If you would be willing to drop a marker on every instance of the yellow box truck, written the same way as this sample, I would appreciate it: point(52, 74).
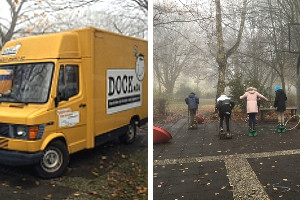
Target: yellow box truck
point(69, 91)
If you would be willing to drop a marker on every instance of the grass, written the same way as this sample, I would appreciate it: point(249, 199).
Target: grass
point(203, 103)
point(177, 109)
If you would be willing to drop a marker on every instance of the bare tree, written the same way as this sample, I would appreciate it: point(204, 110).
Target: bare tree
point(171, 55)
point(291, 12)
point(7, 27)
point(222, 54)
point(29, 17)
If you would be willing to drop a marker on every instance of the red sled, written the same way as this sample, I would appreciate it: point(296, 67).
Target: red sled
point(199, 119)
point(160, 135)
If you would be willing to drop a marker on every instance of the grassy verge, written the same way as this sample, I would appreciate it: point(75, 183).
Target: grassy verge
point(127, 178)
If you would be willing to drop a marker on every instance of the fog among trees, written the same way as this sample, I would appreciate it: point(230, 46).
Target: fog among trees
point(209, 46)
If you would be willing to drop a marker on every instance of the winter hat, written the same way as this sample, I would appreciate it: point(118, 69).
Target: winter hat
point(251, 88)
point(277, 88)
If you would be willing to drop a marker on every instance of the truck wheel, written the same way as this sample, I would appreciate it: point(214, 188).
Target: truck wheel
point(129, 136)
point(54, 161)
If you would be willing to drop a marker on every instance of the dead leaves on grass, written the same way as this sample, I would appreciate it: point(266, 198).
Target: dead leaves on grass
point(209, 114)
point(125, 177)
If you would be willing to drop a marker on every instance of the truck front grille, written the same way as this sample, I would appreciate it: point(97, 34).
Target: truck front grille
point(3, 143)
point(4, 130)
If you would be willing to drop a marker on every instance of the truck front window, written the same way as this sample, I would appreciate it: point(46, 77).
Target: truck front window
point(25, 83)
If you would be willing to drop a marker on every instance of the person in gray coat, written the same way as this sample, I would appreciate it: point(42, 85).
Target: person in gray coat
point(192, 101)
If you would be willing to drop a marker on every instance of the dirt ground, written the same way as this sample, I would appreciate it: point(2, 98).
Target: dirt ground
point(110, 171)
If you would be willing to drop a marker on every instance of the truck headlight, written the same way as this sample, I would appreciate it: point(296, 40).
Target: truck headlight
point(21, 131)
point(28, 132)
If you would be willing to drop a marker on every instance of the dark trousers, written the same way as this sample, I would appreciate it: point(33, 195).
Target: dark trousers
point(252, 120)
point(227, 117)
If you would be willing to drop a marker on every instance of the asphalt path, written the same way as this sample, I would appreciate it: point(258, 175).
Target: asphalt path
point(81, 181)
point(196, 164)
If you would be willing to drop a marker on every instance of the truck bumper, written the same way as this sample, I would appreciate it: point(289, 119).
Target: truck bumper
point(15, 158)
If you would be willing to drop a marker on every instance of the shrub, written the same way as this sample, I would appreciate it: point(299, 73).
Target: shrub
point(160, 105)
point(238, 87)
point(183, 91)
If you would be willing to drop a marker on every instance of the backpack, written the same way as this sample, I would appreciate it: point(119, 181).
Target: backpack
point(224, 106)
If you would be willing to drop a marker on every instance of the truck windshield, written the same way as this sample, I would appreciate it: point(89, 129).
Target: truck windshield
point(25, 83)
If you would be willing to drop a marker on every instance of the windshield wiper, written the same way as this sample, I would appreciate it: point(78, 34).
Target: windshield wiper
point(11, 99)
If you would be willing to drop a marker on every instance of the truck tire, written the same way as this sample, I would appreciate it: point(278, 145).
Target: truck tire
point(129, 136)
point(54, 161)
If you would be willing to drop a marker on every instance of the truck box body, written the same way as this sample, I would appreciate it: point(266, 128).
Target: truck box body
point(75, 89)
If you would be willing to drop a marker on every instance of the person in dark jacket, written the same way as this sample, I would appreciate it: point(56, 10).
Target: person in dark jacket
point(224, 106)
point(280, 104)
point(192, 101)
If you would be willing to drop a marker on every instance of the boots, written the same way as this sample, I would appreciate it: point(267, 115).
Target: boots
point(228, 135)
point(281, 128)
point(222, 133)
point(252, 132)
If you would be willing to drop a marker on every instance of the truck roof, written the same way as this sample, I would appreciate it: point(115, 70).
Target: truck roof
point(65, 44)
point(56, 45)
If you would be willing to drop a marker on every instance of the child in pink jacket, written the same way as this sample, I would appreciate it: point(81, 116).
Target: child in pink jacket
point(252, 109)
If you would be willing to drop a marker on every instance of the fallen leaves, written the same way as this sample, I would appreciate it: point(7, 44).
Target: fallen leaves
point(19, 187)
point(94, 193)
point(5, 185)
point(95, 173)
point(76, 194)
point(142, 190)
point(48, 197)
point(103, 157)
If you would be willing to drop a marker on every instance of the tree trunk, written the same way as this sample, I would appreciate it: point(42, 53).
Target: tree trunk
point(222, 55)
point(221, 78)
point(298, 86)
point(282, 82)
point(169, 91)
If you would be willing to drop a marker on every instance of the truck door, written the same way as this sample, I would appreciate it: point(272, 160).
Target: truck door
point(71, 106)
